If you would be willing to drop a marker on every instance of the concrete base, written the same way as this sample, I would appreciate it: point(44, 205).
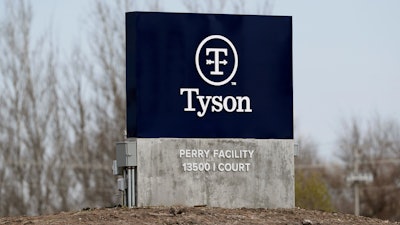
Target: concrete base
point(234, 173)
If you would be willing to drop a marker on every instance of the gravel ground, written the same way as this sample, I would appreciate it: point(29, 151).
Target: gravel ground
point(193, 215)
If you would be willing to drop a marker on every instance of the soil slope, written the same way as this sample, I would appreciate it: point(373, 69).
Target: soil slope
point(193, 215)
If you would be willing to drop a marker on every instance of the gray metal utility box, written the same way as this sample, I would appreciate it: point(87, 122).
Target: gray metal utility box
point(126, 154)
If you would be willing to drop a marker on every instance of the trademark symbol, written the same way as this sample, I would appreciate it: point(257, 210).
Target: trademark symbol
point(233, 83)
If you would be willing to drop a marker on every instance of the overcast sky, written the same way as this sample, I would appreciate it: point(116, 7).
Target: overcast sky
point(346, 56)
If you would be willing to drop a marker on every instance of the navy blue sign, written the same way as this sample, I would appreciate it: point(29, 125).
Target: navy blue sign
point(209, 76)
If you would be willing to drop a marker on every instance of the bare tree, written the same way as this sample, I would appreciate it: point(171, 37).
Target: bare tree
point(311, 187)
point(97, 103)
point(29, 107)
point(376, 146)
point(382, 159)
point(109, 57)
point(237, 6)
point(308, 152)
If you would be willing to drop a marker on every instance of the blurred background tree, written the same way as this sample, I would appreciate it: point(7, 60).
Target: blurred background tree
point(311, 190)
point(377, 142)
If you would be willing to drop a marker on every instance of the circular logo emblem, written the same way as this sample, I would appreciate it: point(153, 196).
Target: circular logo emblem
point(216, 60)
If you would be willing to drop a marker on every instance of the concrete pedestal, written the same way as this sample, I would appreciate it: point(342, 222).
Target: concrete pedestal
point(229, 173)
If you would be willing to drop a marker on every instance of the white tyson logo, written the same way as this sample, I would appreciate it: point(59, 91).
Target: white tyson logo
point(218, 60)
point(223, 65)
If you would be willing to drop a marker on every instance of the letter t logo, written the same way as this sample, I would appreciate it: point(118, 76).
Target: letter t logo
point(216, 61)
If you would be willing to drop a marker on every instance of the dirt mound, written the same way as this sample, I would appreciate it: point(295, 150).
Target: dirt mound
point(193, 215)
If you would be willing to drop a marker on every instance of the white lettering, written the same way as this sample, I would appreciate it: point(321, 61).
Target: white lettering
point(189, 97)
point(203, 105)
point(233, 167)
point(251, 153)
point(209, 157)
point(217, 104)
point(181, 153)
point(226, 104)
point(201, 167)
point(207, 152)
point(240, 104)
point(194, 153)
point(246, 100)
point(233, 154)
